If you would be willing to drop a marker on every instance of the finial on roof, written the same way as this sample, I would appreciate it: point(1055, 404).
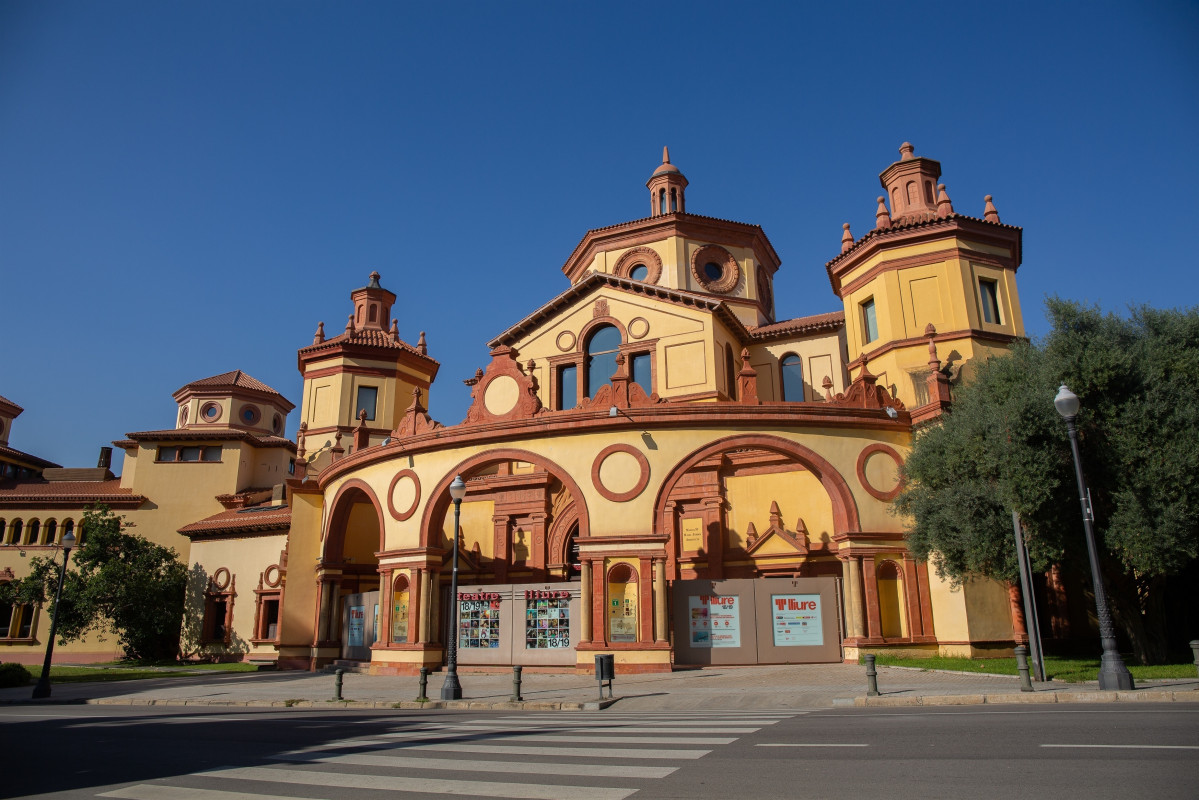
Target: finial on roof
point(665, 154)
point(846, 239)
point(374, 284)
point(319, 336)
point(350, 324)
point(990, 213)
point(930, 332)
point(944, 207)
point(421, 345)
point(394, 330)
point(362, 417)
point(906, 151)
point(881, 218)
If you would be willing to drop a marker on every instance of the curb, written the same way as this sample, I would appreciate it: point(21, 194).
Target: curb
point(1026, 698)
point(326, 705)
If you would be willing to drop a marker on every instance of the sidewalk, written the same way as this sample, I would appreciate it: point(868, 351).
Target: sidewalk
point(805, 686)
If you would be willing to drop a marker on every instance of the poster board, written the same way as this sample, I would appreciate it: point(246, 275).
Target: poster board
point(622, 612)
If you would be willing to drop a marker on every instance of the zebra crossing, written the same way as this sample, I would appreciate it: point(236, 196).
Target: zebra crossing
point(610, 756)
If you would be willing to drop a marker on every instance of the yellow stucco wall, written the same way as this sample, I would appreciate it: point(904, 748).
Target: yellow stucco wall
point(246, 559)
point(799, 495)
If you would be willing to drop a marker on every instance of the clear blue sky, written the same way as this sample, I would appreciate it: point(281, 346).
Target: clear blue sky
point(188, 188)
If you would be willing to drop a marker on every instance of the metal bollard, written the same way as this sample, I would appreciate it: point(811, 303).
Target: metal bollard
point(1022, 668)
point(337, 676)
point(1195, 650)
point(424, 685)
point(871, 677)
point(516, 698)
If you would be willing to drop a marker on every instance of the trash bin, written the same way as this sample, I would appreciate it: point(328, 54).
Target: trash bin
point(605, 672)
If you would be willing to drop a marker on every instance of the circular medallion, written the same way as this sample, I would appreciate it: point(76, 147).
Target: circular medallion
point(221, 578)
point(714, 268)
point(403, 495)
point(565, 341)
point(878, 471)
point(250, 415)
point(620, 472)
point(210, 411)
point(638, 328)
point(501, 395)
point(271, 576)
point(641, 264)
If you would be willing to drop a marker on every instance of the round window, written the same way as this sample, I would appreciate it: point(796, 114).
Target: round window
point(210, 412)
point(713, 271)
point(183, 415)
point(639, 272)
point(277, 424)
point(250, 414)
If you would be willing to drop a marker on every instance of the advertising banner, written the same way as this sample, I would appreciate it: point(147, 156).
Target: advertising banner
point(796, 620)
point(355, 636)
point(714, 621)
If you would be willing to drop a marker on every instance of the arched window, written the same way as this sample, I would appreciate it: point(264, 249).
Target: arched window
point(791, 368)
point(891, 606)
point(49, 532)
point(622, 604)
point(602, 348)
point(662, 201)
point(674, 199)
point(573, 562)
point(730, 371)
point(69, 527)
point(401, 597)
point(14, 533)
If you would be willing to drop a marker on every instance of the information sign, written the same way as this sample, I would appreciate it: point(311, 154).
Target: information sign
point(795, 620)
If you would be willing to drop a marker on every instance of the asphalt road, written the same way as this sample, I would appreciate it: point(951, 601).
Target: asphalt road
point(1146, 750)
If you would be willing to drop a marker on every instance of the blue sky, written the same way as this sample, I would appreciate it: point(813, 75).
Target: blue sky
point(188, 188)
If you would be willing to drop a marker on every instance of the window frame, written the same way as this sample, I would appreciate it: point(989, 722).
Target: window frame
point(783, 377)
point(869, 315)
point(988, 305)
point(372, 412)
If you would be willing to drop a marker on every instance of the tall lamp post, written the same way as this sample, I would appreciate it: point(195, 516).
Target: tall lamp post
point(1113, 674)
point(42, 689)
point(451, 690)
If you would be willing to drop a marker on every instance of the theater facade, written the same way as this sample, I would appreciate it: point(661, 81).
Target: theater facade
point(658, 463)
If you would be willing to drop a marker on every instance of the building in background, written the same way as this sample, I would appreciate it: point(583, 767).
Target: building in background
point(657, 464)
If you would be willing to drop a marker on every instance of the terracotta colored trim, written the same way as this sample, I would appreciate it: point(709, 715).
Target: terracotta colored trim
point(927, 259)
point(369, 372)
point(951, 336)
point(716, 254)
point(639, 255)
point(339, 515)
point(400, 516)
point(440, 502)
point(642, 480)
point(863, 456)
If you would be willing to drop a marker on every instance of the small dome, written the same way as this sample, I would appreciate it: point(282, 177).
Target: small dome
point(665, 168)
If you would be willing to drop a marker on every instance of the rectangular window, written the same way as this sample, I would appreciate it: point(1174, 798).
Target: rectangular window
point(640, 370)
point(988, 292)
point(368, 396)
point(568, 387)
point(268, 618)
point(6, 610)
point(16, 621)
point(167, 453)
point(869, 321)
point(189, 453)
point(217, 608)
point(25, 627)
point(211, 453)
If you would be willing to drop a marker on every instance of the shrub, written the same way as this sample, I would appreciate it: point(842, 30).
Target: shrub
point(14, 675)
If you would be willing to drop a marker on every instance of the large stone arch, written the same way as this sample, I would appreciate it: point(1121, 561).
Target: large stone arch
point(437, 507)
point(845, 508)
point(347, 495)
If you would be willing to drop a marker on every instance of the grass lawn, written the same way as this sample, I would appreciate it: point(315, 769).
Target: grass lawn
point(1070, 670)
point(128, 672)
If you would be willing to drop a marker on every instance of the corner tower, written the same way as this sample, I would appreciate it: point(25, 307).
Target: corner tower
point(364, 375)
point(928, 290)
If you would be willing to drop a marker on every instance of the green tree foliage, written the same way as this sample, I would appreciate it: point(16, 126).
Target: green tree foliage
point(116, 583)
point(1004, 447)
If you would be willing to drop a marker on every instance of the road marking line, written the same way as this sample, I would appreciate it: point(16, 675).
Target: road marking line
point(457, 765)
point(797, 744)
point(147, 792)
point(578, 752)
point(480, 736)
point(534, 791)
point(582, 728)
point(1131, 746)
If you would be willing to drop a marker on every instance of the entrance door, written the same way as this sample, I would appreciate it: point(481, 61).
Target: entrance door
point(359, 625)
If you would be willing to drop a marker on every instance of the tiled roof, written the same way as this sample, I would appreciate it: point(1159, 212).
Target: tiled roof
point(26, 457)
point(5, 401)
point(204, 435)
point(241, 521)
point(235, 379)
point(817, 322)
point(370, 337)
point(910, 223)
point(25, 492)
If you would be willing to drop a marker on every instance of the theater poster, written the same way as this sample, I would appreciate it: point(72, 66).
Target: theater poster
point(714, 621)
point(355, 635)
point(795, 620)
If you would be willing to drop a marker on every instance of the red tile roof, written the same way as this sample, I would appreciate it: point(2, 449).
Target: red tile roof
point(232, 380)
point(241, 521)
point(18, 455)
point(13, 493)
point(5, 401)
point(204, 435)
point(831, 321)
point(370, 337)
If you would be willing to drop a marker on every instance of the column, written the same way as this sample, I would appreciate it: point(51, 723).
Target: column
point(911, 592)
point(857, 625)
point(584, 600)
point(647, 610)
point(926, 602)
point(599, 633)
point(416, 604)
point(660, 634)
point(501, 546)
point(324, 590)
point(386, 602)
point(874, 623)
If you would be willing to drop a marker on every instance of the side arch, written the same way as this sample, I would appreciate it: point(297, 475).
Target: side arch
point(439, 502)
point(339, 516)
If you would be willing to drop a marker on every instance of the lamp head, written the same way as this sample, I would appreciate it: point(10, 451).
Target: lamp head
point(68, 540)
point(1066, 402)
point(613, 411)
point(892, 413)
point(458, 489)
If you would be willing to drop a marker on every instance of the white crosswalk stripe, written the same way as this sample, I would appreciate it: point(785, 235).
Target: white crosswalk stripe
point(584, 757)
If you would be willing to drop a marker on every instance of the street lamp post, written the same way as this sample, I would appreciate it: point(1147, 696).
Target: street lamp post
point(42, 689)
point(1113, 674)
point(451, 690)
